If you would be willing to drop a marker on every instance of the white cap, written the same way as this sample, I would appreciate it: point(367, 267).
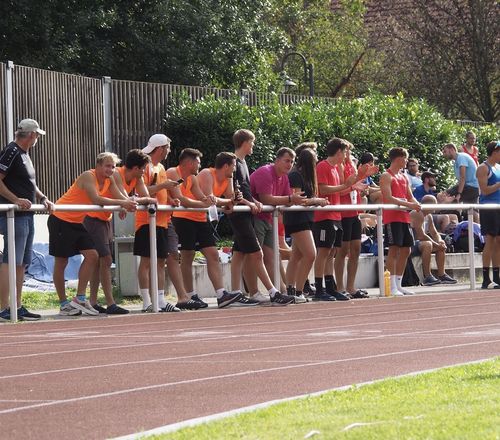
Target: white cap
point(29, 125)
point(155, 141)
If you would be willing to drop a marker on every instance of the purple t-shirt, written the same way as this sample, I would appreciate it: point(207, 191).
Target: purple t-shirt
point(265, 181)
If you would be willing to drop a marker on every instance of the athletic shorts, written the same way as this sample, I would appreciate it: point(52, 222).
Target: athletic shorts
point(245, 239)
point(398, 234)
point(328, 233)
point(172, 240)
point(193, 235)
point(141, 242)
point(67, 239)
point(100, 231)
point(24, 231)
point(415, 249)
point(351, 229)
point(292, 229)
point(470, 194)
point(490, 222)
point(264, 232)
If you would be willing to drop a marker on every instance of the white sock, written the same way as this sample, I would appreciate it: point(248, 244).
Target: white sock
point(161, 299)
point(146, 300)
point(272, 291)
point(394, 286)
point(220, 292)
point(404, 291)
point(190, 294)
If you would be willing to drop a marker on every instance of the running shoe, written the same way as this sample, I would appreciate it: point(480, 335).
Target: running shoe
point(115, 309)
point(99, 308)
point(281, 300)
point(244, 301)
point(323, 296)
point(446, 279)
point(203, 304)
point(405, 291)
point(299, 298)
point(169, 308)
point(261, 298)
point(5, 315)
point(84, 306)
point(68, 310)
point(23, 314)
point(227, 298)
point(339, 296)
point(189, 305)
point(430, 280)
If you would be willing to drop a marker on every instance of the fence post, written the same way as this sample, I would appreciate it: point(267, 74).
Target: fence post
point(11, 232)
point(276, 250)
point(380, 249)
point(470, 233)
point(153, 260)
point(9, 102)
point(106, 97)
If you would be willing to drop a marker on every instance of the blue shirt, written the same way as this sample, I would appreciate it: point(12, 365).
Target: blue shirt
point(419, 192)
point(464, 160)
point(493, 177)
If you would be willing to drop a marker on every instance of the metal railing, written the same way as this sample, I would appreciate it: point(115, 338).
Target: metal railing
point(10, 210)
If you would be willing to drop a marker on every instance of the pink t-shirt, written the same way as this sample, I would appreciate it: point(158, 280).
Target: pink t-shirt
point(328, 174)
point(265, 181)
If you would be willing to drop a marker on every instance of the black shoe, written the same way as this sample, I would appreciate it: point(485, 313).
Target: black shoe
point(203, 304)
point(114, 309)
point(339, 296)
point(24, 315)
point(189, 305)
point(323, 296)
point(282, 300)
point(244, 301)
point(169, 308)
point(227, 299)
point(309, 289)
point(99, 308)
point(5, 315)
point(485, 284)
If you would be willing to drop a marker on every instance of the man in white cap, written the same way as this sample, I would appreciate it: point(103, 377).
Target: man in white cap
point(18, 186)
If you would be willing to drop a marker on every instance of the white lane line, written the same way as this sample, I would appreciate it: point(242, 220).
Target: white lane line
point(235, 336)
point(232, 352)
point(263, 405)
point(239, 374)
point(240, 325)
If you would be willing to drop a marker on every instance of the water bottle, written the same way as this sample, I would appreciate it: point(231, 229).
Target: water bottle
point(387, 283)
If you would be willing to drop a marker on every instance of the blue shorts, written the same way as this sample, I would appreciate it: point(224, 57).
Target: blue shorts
point(25, 232)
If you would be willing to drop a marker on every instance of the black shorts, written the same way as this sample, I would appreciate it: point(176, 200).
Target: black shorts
point(490, 222)
point(67, 239)
point(470, 194)
point(245, 239)
point(351, 227)
point(193, 235)
point(141, 242)
point(100, 231)
point(292, 229)
point(398, 234)
point(327, 233)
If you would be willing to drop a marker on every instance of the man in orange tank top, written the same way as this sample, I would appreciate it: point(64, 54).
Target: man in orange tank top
point(193, 228)
point(68, 236)
point(397, 232)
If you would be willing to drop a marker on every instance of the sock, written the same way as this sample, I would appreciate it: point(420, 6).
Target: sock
point(190, 294)
point(496, 277)
point(486, 276)
point(63, 303)
point(394, 284)
point(272, 291)
point(399, 279)
point(161, 299)
point(318, 283)
point(330, 285)
point(146, 300)
point(220, 292)
point(81, 298)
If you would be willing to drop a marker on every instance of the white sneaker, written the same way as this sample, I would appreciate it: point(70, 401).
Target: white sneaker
point(261, 298)
point(405, 291)
point(397, 293)
point(68, 310)
point(84, 307)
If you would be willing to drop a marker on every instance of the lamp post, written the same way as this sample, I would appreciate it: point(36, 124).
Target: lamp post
point(308, 70)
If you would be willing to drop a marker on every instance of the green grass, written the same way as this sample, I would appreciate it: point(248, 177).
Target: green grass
point(452, 403)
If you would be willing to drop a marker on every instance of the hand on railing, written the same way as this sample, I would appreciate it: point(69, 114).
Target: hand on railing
point(50, 206)
point(298, 198)
point(23, 203)
point(129, 204)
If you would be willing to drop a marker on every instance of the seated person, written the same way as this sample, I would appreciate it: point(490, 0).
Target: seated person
point(427, 242)
point(428, 186)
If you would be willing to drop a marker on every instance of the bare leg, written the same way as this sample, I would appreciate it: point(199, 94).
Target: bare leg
point(426, 251)
point(174, 273)
point(440, 259)
point(303, 245)
point(236, 268)
point(90, 260)
point(187, 269)
point(4, 280)
point(293, 264)
point(352, 264)
point(143, 273)
point(339, 264)
point(213, 267)
point(404, 253)
point(60, 264)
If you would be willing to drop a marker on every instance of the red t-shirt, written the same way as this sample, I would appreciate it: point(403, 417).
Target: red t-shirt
point(399, 190)
point(328, 174)
point(351, 198)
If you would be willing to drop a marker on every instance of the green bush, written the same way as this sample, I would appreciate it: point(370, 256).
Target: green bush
point(375, 123)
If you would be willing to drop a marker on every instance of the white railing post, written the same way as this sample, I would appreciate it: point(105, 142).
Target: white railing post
point(380, 249)
point(470, 233)
point(276, 250)
point(153, 260)
point(106, 98)
point(11, 245)
point(9, 102)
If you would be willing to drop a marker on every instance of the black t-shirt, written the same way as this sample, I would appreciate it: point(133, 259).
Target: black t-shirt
point(297, 217)
point(19, 175)
point(242, 176)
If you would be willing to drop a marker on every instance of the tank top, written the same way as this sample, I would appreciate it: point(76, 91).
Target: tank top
point(186, 190)
point(155, 175)
point(493, 177)
point(77, 196)
point(399, 190)
point(474, 153)
point(353, 197)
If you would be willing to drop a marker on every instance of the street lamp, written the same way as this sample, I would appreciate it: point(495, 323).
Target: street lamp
point(308, 70)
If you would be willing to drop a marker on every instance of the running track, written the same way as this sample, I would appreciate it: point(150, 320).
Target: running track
point(106, 377)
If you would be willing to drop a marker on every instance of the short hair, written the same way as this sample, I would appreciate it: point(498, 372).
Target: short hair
point(427, 175)
point(413, 159)
point(241, 136)
point(450, 146)
point(311, 145)
point(429, 198)
point(103, 157)
point(285, 150)
point(491, 147)
point(396, 152)
point(189, 153)
point(136, 158)
point(224, 158)
point(334, 145)
point(470, 133)
point(367, 157)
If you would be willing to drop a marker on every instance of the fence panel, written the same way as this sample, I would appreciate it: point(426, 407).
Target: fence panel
point(70, 109)
point(3, 110)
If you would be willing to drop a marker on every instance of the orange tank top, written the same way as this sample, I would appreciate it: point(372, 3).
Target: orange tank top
point(218, 188)
point(77, 196)
point(129, 187)
point(186, 190)
point(154, 175)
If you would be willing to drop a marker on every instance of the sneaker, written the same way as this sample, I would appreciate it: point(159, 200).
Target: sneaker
point(5, 315)
point(309, 289)
point(189, 305)
point(203, 304)
point(99, 308)
point(68, 310)
point(281, 300)
point(397, 293)
point(23, 314)
point(323, 296)
point(299, 298)
point(430, 280)
point(84, 306)
point(261, 298)
point(405, 291)
point(244, 301)
point(148, 309)
point(339, 296)
point(446, 279)
point(169, 308)
point(227, 299)
point(115, 309)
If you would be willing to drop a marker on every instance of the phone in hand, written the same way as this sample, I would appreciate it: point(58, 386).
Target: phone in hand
point(180, 181)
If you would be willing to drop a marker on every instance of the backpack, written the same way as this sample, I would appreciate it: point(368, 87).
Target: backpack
point(410, 277)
